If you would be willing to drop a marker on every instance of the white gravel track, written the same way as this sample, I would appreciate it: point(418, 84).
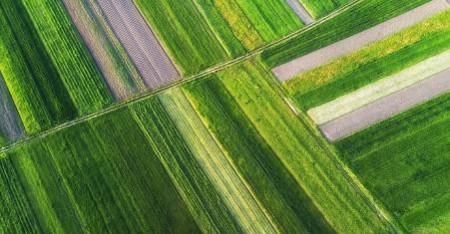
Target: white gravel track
point(322, 56)
point(388, 106)
point(10, 123)
point(301, 11)
point(140, 42)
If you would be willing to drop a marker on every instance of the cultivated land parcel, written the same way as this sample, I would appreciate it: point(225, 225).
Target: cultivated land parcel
point(227, 147)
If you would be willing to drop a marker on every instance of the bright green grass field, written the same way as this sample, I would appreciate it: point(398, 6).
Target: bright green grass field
point(319, 8)
point(360, 16)
point(405, 162)
point(30, 75)
point(372, 63)
point(98, 176)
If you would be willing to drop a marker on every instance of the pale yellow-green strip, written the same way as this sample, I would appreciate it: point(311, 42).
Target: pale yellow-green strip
point(239, 23)
point(380, 89)
point(221, 172)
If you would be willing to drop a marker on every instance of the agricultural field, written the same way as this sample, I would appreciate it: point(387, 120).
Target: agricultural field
point(224, 116)
point(404, 161)
point(202, 33)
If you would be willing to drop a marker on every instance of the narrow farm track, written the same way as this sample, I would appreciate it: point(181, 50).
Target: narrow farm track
point(140, 42)
point(300, 11)
point(388, 106)
point(319, 57)
point(10, 124)
point(116, 66)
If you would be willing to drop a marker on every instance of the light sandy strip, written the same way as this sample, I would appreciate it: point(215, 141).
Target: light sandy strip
point(300, 11)
point(322, 56)
point(236, 194)
point(386, 107)
point(10, 123)
point(140, 42)
point(382, 88)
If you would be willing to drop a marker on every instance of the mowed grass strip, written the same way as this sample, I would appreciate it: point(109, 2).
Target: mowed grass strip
point(201, 196)
point(38, 93)
point(184, 32)
point(306, 157)
point(372, 63)
point(122, 77)
point(97, 176)
point(322, 7)
point(360, 16)
point(72, 60)
point(404, 162)
point(273, 185)
point(222, 173)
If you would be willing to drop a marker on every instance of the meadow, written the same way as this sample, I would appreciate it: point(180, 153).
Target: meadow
point(404, 162)
point(372, 63)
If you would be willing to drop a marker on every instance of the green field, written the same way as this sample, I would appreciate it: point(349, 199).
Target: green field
point(322, 7)
point(48, 86)
point(202, 33)
point(302, 154)
point(404, 161)
point(360, 16)
point(371, 63)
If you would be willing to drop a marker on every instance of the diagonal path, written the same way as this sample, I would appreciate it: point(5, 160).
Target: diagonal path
point(300, 11)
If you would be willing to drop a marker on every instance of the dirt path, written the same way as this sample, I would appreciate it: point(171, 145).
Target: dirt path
point(322, 56)
point(140, 42)
point(301, 11)
point(388, 106)
point(10, 123)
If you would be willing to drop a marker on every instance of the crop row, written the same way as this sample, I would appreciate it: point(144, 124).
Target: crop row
point(404, 161)
point(321, 8)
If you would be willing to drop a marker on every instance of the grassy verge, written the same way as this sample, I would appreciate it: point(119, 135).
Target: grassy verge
point(72, 60)
point(322, 7)
point(404, 162)
point(283, 198)
point(357, 18)
point(312, 166)
point(372, 63)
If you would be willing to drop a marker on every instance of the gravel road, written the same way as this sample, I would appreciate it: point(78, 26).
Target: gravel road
point(301, 11)
point(10, 123)
point(388, 106)
point(322, 56)
point(140, 42)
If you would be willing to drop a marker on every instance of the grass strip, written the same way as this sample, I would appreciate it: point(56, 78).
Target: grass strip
point(321, 8)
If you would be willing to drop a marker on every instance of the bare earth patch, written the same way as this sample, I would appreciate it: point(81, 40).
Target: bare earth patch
point(10, 123)
point(300, 11)
point(140, 42)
